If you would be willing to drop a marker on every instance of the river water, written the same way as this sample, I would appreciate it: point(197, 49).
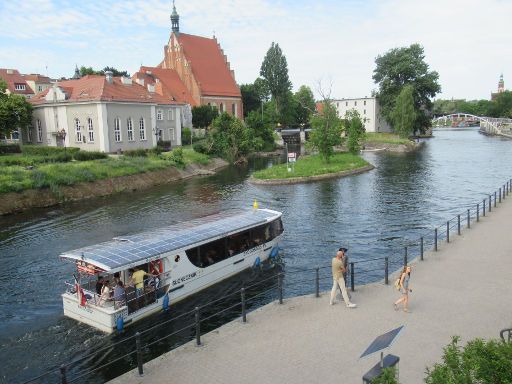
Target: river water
point(373, 214)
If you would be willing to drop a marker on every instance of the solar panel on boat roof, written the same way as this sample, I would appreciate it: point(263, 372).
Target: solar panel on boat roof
point(129, 249)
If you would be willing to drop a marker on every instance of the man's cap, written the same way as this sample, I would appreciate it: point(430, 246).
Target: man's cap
point(343, 249)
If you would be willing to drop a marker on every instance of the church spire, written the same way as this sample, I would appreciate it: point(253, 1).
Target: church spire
point(175, 19)
point(501, 84)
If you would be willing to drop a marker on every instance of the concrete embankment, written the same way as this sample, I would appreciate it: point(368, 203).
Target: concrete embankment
point(36, 198)
point(463, 289)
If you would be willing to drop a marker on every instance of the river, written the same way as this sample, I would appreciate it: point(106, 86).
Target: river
point(372, 214)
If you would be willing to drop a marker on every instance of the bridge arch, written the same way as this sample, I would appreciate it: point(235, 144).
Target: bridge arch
point(489, 125)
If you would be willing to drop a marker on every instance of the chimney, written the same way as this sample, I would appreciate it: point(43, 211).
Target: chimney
point(151, 88)
point(126, 80)
point(108, 76)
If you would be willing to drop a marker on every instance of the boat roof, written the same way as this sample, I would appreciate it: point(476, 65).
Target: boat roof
point(123, 252)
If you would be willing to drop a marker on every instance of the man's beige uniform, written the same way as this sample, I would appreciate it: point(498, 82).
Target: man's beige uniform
point(337, 277)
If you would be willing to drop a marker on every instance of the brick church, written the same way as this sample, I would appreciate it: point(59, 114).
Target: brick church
point(194, 71)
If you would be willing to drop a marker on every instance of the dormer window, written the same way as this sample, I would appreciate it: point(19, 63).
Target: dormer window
point(19, 87)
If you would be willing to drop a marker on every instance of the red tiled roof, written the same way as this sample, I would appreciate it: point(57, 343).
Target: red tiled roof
point(13, 78)
point(97, 88)
point(38, 78)
point(171, 84)
point(208, 66)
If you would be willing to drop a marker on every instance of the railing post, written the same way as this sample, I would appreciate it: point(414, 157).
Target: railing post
point(435, 239)
point(405, 256)
point(495, 193)
point(280, 287)
point(244, 315)
point(198, 327)
point(448, 231)
point(490, 202)
point(483, 208)
point(421, 248)
point(386, 270)
point(317, 282)
point(478, 212)
point(63, 379)
point(139, 354)
point(458, 224)
point(352, 276)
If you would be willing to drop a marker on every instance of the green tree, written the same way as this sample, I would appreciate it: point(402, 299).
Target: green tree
point(502, 105)
point(229, 138)
point(355, 131)
point(260, 131)
point(479, 361)
point(84, 71)
point(406, 66)
point(274, 70)
point(388, 376)
point(15, 111)
point(326, 130)
point(90, 71)
point(203, 115)
point(250, 98)
point(403, 116)
point(305, 104)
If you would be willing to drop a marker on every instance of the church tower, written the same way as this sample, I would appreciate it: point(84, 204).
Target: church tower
point(501, 85)
point(175, 19)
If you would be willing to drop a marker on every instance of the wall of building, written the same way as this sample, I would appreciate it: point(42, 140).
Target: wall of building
point(227, 102)
point(170, 125)
point(83, 112)
point(368, 109)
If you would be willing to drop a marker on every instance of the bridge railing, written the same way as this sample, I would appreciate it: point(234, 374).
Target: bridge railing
point(285, 282)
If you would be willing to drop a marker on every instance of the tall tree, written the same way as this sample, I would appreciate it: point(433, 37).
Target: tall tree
point(230, 138)
point(305, 104)
point(274, 70)
point(355, 131)
point(406, 66)
point(250, 98)
point(203, 115)
point(326, 131)
point(15, 111)
point(90, 71)
point(403, 116)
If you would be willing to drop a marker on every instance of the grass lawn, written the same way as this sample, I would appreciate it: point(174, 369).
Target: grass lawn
point(313, 166)
point(52, 175)
point(388, 138)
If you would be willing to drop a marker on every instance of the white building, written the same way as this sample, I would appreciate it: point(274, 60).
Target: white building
point(369, 110)
point(103, 113)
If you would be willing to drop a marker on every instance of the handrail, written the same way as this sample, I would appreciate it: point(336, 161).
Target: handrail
point(507, 188)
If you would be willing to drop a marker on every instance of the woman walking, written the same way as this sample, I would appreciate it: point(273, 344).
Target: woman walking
point(404, 289)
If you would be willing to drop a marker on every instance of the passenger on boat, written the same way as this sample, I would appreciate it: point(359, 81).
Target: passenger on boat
point(119, 295)
point(99, 285)
point(105, 293)
point(137, 280)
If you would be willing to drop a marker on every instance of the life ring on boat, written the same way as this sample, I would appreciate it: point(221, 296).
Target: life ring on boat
point(156, 267)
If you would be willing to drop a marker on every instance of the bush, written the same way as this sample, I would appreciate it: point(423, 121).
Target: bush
point(186, 136)
point(41, 150)
point(9, 148)
point(165, 145)
point(177, 157)
point(86, 156)
point(157, 151)
point(25, 161)
point(201, 147)
point(136, 153)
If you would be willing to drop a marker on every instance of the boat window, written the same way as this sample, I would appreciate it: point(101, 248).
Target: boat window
point(260, 235)
point(238, 243)
point(212, 253)
point(276, 228)
point(193, 256)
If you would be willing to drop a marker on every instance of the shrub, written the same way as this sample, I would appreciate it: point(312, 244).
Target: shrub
point(200, 147)
point(186, 135)
point(9, 148)
point(156, 151)
point(177, 157)
point(136, 153)
point(41, 150)
point(25, 161)
point(86, 155)
point(165, 145)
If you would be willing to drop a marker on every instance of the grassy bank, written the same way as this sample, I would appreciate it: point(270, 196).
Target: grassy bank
point(16, 178)
point(387, 138)
point(313, 166)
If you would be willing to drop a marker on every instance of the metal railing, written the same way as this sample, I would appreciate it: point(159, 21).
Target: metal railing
point(275, 285)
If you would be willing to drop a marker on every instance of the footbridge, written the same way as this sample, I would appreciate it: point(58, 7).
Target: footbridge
point(488, 125)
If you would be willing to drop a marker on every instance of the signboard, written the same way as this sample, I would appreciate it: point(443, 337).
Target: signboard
point(292, 157)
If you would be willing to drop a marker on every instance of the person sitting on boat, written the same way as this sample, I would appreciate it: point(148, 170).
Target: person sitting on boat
point(119, 294)
point(99, 285)
point(105, 293)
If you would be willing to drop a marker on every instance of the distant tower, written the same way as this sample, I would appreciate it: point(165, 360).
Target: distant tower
point(175, 19)
point(77, 73)
point(501, 84)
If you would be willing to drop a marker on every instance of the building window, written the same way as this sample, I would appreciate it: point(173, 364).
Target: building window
point(364, 102)
point(159, 115)
point(19, 87)
point(337, 105)
point(91, 130)
point(221, 108)
point(29, 134)
point(117, 129)
point(171, 114)
point(39, 88)
point(39, 131)
point(78, 131)
point(233, 109)
point(355, 103)
point(171, 134)
point(129, 127)
point(142, 129)
point(346, 103)
point(365, 111)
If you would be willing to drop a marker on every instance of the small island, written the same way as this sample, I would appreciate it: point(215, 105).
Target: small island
point(312, 168)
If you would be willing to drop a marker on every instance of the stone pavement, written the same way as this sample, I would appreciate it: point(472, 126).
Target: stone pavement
point(463, 289)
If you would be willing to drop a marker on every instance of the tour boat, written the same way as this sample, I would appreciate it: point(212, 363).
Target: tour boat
point(176, 262)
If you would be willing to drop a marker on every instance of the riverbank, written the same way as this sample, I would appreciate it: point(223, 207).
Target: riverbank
point(377, 141)
point(13, 202)
point(459, 290)
point(312, 168)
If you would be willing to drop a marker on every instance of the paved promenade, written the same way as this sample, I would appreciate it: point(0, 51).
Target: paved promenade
point(463, 289)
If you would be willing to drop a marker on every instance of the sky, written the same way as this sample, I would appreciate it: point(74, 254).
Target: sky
point(329, 45)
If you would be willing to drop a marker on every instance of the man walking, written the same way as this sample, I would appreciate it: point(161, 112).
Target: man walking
point(338, 281)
